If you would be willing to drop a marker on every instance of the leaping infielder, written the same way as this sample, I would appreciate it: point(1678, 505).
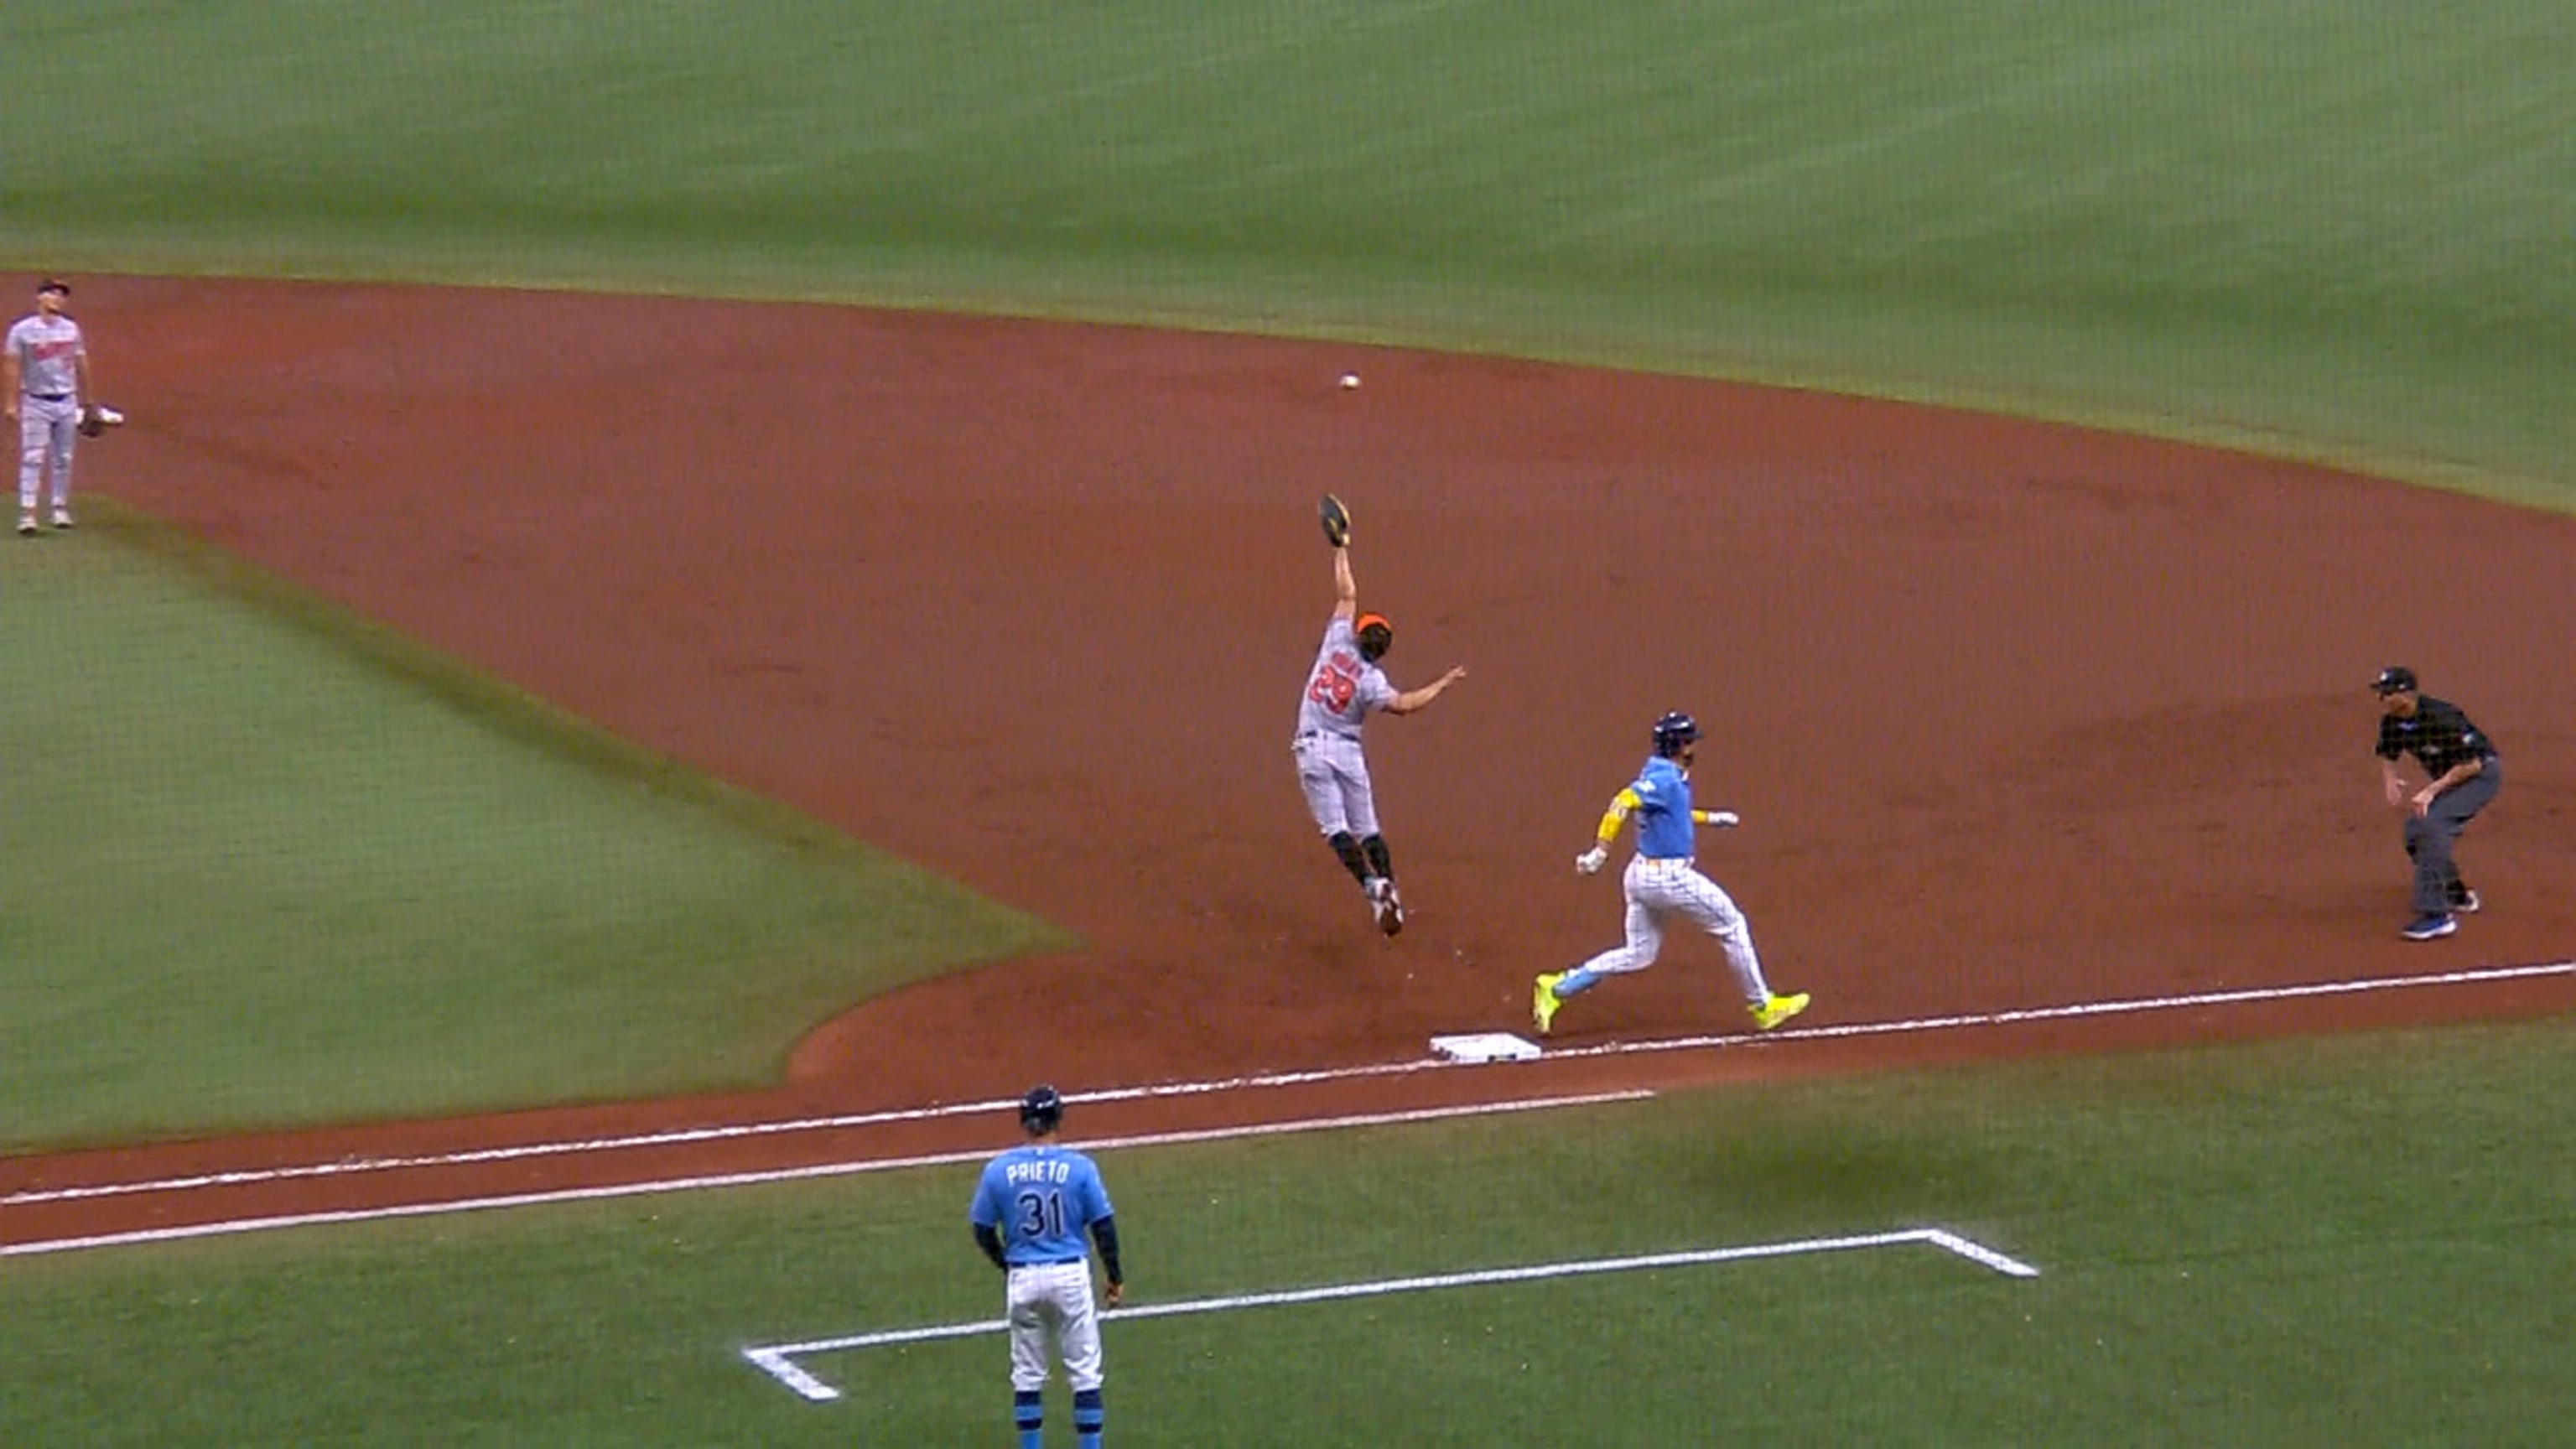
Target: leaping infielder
point(1661, 881)
point(1343, 687)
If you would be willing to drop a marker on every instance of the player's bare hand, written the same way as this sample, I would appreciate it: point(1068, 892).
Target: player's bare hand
point(1456, 672)
point(2396, 791)
point(1114, 1294)
point(2423, 801)
point(1591, 861)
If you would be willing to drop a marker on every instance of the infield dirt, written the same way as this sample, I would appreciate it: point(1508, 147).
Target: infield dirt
point(2014, 714)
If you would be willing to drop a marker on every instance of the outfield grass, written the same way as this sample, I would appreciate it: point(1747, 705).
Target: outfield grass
point(2361, 1240)
point(270, 865)
point(2326, 229)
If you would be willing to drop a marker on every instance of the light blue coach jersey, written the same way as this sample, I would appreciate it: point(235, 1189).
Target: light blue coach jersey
point(1663, 811)
point(1043, 1199)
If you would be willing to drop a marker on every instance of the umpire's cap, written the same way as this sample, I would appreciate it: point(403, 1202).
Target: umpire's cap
point(2395, 679)
point(1042, 1109)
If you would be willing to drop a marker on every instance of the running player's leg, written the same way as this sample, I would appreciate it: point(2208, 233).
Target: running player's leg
point(1080, 1338)
point(1645, 941)
point(1027, 1307)
point(1710, 908)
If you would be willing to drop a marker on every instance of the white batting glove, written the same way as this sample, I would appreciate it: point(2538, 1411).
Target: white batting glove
point(1724, 819)
point(1590, 861)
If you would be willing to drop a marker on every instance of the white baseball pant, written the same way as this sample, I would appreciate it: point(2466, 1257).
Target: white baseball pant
point(1052, 1299)
point(1659, 888)
point(1334, 774)
point(46, 432)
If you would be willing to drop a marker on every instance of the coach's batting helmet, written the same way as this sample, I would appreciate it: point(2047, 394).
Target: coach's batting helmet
point(1042, 1109)
point(1376, 636)
point(1674, 733)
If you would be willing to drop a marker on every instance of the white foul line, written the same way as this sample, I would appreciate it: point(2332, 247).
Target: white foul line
point(777, 1359)
point(1168, 1090)
point(789, 1174)
point(2129, 1007)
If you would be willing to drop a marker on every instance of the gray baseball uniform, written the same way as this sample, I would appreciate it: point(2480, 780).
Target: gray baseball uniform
point(49, 352)
point(1331, 769)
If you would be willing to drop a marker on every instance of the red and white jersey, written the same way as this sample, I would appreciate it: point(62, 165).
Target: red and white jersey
point(48, 350)
point(1343, 687)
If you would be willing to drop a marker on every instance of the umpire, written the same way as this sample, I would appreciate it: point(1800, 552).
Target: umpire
point(2465, 774)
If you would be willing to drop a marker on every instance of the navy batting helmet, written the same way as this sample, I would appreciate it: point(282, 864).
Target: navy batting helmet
point(1042, 1109)
point(1675, 732)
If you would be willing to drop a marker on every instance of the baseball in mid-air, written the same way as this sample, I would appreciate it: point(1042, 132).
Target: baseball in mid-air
point(1350, 380)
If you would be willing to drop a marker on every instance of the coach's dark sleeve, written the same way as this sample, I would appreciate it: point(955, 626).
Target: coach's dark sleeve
point(989, 1238)
point(1105, 1233)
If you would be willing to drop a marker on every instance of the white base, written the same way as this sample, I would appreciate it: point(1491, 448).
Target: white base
point(1485, 1046)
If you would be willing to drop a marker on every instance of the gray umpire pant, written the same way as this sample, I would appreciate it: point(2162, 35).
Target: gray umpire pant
point(2429, 837)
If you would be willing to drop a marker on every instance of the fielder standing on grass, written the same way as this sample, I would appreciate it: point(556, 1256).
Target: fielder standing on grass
point(46, 380)
point(1662, 881)
point(1031, 1212)
point(2464, 775)
point(1344, 685)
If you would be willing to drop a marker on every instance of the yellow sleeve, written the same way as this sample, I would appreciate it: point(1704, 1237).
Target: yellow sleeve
point(1621, 805)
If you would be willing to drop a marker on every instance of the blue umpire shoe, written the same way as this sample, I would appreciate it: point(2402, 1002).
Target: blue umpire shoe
point(2428, 928)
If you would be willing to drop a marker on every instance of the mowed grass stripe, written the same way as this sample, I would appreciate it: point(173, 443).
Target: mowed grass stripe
point(2285, 227)
point(273, 865)
point(2233, 1239)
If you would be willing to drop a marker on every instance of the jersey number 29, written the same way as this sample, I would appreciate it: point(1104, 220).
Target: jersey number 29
point(1333, 687)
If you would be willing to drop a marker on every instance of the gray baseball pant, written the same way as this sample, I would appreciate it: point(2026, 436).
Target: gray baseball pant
point(2429, 836)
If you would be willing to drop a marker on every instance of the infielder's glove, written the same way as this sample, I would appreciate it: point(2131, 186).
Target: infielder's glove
point(1337, 522)
point(98, 418)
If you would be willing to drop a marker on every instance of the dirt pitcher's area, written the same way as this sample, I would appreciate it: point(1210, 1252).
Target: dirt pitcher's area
point(2015, 715)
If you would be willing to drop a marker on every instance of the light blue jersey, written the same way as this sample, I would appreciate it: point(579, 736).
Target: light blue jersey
point(1663, 811)
point(1043, 1200)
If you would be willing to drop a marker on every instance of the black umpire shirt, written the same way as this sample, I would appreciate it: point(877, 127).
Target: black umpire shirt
point(2438, 735)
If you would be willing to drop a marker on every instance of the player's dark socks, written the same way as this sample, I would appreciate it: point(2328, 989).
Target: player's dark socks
point(1028, 1414)
point(1379, 862)
point(1349, 850)
point(1088, 1417)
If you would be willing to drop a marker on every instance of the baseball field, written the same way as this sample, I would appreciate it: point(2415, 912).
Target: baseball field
point(695, 596)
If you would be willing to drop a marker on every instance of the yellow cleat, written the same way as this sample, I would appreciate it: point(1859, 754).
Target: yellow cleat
point(1771, 1013)
point(1544, 1001)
